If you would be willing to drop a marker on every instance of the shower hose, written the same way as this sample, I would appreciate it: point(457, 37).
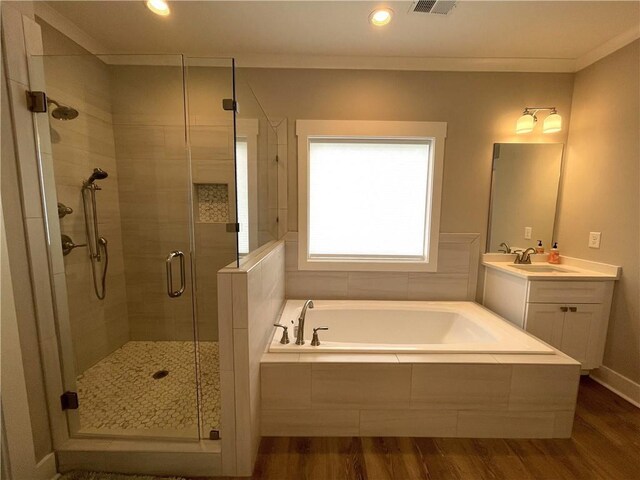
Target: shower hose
point(100, 243)
point(101, 293)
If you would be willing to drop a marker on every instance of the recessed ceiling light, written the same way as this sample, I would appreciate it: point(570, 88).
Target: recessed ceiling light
point(380, 16)
point(159, 7)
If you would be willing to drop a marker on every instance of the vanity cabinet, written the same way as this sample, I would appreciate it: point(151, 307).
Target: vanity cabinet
point(571, 328)
point(570, 315)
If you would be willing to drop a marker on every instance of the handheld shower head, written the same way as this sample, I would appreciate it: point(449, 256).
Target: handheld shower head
point(98, 174)
point(62, 112)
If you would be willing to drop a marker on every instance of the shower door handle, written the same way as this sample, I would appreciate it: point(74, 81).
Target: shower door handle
point(170, 291)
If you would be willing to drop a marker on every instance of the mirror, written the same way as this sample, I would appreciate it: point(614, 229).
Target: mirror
point(524, 195)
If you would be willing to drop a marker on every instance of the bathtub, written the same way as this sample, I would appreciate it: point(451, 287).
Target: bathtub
point(357, 326)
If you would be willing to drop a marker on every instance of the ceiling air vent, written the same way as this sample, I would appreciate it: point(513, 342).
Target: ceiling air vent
point(436, 7)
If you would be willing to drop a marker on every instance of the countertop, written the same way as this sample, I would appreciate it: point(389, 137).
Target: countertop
point(571, 268)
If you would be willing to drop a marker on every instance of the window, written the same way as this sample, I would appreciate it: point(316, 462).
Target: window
point(242, 180)
point(246, 181)
point(369, 195)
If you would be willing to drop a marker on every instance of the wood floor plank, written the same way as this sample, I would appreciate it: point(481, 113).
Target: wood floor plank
point(500, 460)
point(604, 457)
point(551, 459)
point(605, 445)
point(346, 459)
point(272, 460)
point(392, 459)
point(436, 461)
point(463, 454)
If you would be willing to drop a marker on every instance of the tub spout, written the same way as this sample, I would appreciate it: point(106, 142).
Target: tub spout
point(303, 314)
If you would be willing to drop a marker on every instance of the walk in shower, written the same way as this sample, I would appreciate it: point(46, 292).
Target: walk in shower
point(160, 181)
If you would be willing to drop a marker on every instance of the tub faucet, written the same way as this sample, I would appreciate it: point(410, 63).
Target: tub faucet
point(524, 257)
point(303, 314)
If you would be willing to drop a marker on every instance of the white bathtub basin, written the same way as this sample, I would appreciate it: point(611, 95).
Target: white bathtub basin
point(364, 326)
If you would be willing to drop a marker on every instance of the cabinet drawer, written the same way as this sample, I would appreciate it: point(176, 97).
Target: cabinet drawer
point(567, 292)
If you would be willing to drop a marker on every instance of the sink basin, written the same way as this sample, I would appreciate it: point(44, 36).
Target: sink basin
point(542, 268)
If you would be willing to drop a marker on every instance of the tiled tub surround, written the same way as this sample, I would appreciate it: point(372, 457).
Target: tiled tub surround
point(119, 395)
point(456, 278)
point(428, 395)
point(250, 299)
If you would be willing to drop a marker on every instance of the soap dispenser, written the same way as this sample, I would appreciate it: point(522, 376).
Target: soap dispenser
point(554, 254)
point(539, 247)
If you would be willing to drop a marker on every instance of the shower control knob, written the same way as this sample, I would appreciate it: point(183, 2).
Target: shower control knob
point(68, 245)
point(63, 210)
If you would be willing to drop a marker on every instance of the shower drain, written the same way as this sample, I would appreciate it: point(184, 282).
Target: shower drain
point(160, 374)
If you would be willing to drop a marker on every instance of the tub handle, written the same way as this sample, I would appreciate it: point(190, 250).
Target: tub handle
point(285, 334)
point(315, 341)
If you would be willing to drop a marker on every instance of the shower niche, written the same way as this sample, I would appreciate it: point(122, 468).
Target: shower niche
point(163, 210)
point(212, 202)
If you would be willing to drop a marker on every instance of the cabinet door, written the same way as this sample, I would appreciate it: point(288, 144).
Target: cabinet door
point(545, 321)
point(579, 332)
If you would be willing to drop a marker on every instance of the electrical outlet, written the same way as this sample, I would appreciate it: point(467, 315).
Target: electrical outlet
point(594, 239)
point(527, 233)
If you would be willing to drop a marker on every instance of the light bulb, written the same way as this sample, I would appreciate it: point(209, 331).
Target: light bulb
point(380, 17)
point(552, 124)
point(159, 7)
point(525, 123)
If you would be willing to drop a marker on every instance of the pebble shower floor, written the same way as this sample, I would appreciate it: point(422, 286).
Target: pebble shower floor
point(120, 395)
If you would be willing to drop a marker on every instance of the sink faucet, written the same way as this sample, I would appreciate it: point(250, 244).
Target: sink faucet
point(524, 257)
point(303, 314)
point(507, 248)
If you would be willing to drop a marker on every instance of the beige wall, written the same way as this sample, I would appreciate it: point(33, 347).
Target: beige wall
point(98, 327)
point(600, 190)
point(480, 109)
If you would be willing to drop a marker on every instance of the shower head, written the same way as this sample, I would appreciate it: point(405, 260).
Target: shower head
point(62, 112)
point(98, 174)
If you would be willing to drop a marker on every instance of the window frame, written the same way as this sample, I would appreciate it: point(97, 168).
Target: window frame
point(434, 132)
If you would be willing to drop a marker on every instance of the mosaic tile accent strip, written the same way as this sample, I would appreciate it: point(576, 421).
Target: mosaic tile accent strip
point(120, 393)
point(213, 202)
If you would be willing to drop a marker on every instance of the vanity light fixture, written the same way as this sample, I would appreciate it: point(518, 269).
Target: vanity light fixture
point(381, 16)
point(526, 123)
point(159, 7)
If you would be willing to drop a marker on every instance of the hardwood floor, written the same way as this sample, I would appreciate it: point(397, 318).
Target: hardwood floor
point(605, 445)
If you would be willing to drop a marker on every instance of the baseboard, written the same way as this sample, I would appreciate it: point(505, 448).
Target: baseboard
point(46, 468)
point(618, 384)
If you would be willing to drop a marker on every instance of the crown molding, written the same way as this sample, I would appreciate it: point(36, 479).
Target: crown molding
point(355, 63)
point(68, 28)
point(607, 48)
point(455, 64)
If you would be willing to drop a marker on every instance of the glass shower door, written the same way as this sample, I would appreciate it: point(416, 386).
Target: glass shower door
point(130, 357)
point(148, 111)
point(209, 93)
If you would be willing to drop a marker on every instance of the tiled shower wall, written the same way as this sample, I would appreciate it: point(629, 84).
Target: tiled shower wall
point(98, 327)
point(150, 144)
